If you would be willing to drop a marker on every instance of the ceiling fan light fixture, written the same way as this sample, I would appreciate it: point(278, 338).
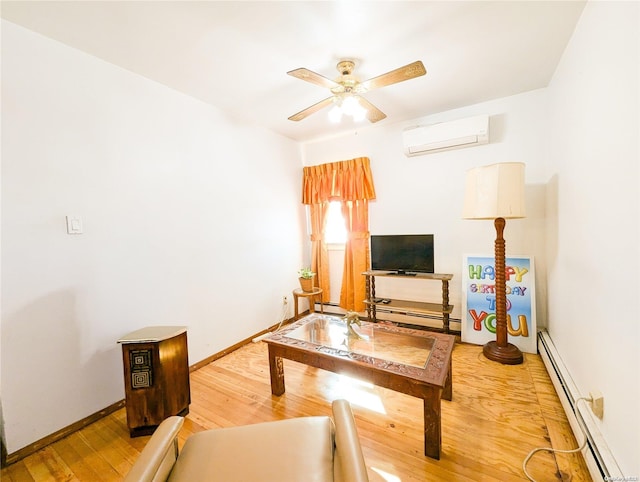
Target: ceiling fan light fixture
point(335, 114)
point(347, 90)
point(360, 114)
point(350, 105)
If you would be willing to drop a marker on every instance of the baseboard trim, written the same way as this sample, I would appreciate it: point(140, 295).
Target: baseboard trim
point(233, 348)
point(8, 459)
point(215, 356)
point(60, 434)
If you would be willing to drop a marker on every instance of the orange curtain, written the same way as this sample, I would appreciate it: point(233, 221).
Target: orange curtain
point(351, 183)
point(356, 254)
point(338, 181)
point(319, 253)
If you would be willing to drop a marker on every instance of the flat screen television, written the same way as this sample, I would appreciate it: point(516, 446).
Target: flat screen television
point(402, 253)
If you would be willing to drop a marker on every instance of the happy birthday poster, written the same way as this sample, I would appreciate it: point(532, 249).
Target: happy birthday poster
point(479, 301)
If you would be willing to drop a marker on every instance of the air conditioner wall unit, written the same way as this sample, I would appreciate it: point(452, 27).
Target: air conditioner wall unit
point(471, 131)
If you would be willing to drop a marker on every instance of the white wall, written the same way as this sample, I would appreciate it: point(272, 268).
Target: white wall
point(579, 140)
point(593, 217)
point(186, 222)
point(424, 194)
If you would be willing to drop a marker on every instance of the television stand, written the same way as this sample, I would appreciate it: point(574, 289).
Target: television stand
point(401, 273)
point(407, 306)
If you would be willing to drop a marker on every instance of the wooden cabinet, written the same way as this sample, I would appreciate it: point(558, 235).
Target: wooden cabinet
point(156, 376)
point(407, 306)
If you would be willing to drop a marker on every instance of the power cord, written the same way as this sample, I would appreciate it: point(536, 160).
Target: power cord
point(550, 449)
point(283, 317)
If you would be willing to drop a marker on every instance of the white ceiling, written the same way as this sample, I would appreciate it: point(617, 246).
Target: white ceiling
point(235, 54)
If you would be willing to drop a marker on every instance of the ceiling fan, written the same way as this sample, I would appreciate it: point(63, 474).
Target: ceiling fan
point(347, 89)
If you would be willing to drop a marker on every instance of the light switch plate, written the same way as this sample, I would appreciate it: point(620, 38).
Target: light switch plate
point(74, 225)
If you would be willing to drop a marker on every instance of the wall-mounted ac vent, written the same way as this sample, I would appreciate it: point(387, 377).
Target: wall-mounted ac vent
point(471, 131)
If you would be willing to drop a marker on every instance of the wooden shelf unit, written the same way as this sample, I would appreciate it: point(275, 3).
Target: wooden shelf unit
point(408, 306)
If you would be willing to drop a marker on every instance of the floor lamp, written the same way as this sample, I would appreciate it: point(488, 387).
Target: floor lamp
point(497, 192)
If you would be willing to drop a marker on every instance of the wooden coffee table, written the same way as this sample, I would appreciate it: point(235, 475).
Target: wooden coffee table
point(414, 362)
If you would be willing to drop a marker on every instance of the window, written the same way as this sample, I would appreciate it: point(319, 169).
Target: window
point(335, 231)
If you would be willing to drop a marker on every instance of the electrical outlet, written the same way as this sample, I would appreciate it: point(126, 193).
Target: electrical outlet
point(597, 403)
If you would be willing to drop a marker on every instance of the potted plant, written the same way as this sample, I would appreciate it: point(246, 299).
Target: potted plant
point(306, 279)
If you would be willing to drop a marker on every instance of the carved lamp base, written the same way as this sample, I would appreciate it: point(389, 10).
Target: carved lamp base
point(507, 355)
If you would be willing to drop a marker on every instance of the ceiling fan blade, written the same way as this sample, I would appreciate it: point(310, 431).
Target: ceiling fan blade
point(373, 113)
point(310, 76)
point(312, 109)
point(410, 71)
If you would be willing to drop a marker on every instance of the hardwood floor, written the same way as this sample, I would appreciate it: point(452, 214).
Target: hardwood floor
point(498, 414)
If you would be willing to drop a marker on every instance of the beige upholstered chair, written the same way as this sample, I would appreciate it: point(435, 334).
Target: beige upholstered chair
point(303, 449)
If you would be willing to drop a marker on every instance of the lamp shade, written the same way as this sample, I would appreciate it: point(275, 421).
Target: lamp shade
point(495, 191)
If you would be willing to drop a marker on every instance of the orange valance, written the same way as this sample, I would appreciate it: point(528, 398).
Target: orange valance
point(344, 181)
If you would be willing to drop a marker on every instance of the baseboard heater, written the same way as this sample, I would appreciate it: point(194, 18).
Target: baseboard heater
point(599, 459)
point(334, 307)
point(401, 317)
